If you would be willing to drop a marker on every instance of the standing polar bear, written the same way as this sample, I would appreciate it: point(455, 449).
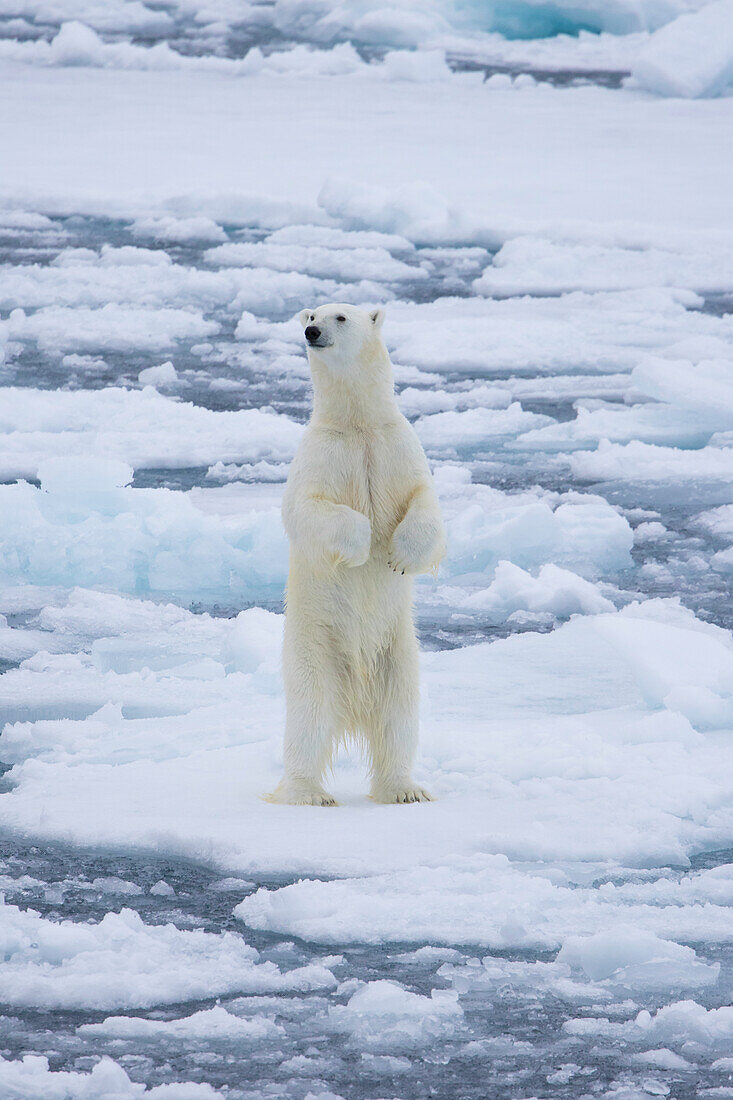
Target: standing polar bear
point(362, 517)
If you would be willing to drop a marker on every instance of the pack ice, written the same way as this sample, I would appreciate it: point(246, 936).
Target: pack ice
point(178, 184)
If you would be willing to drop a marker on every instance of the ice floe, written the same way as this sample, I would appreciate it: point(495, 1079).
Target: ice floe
point(124, 963)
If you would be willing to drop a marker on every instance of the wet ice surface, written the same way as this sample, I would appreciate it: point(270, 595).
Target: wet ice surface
point(508, 1033)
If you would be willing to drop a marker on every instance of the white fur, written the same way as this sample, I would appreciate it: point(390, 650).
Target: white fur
point(362, 517)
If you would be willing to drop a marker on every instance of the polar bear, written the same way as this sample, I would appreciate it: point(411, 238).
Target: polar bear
point(362, 517)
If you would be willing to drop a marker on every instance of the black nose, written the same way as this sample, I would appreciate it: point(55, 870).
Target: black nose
point(312, 333)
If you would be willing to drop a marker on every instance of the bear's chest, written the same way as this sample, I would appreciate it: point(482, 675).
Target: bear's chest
point(376, 478)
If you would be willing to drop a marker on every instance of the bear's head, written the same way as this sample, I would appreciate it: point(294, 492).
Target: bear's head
point(342, 336)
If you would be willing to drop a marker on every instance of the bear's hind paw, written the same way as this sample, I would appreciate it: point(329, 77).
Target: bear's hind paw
point(301, 794)
point(401, 792)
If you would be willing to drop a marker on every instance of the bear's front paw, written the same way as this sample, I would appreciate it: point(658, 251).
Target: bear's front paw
point(417, 545)
point(352, 540)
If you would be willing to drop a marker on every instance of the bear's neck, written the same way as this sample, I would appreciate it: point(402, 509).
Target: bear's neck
point(361, 397)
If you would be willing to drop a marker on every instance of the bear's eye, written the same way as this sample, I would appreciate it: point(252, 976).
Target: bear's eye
point(340, 317)
point(313, 317)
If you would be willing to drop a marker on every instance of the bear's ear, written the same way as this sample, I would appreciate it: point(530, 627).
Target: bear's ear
point(304, 317)
point(377, 316)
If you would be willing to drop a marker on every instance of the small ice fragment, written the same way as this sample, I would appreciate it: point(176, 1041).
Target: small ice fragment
point(231, 885)
point(163, 375)
point(162, 889)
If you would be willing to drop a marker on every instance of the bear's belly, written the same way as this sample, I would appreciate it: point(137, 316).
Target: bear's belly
point(353, 610)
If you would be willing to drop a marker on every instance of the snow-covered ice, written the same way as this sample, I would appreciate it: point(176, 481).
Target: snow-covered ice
point(539, 194)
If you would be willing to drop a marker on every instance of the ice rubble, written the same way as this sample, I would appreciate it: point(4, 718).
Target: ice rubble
point(627, 959)
point(404, 23)
point(115, 16)
point(172, 230)
point(163, 375)
point(85, 525)
point(692, 56)
point(580, 533)
point(137, 540)
point(351, 264)
point(463, 431)
point(416, 211)
point(124, 963)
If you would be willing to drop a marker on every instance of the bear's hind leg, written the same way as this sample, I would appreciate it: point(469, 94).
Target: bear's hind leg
point(392, 725)
point(311, 731)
